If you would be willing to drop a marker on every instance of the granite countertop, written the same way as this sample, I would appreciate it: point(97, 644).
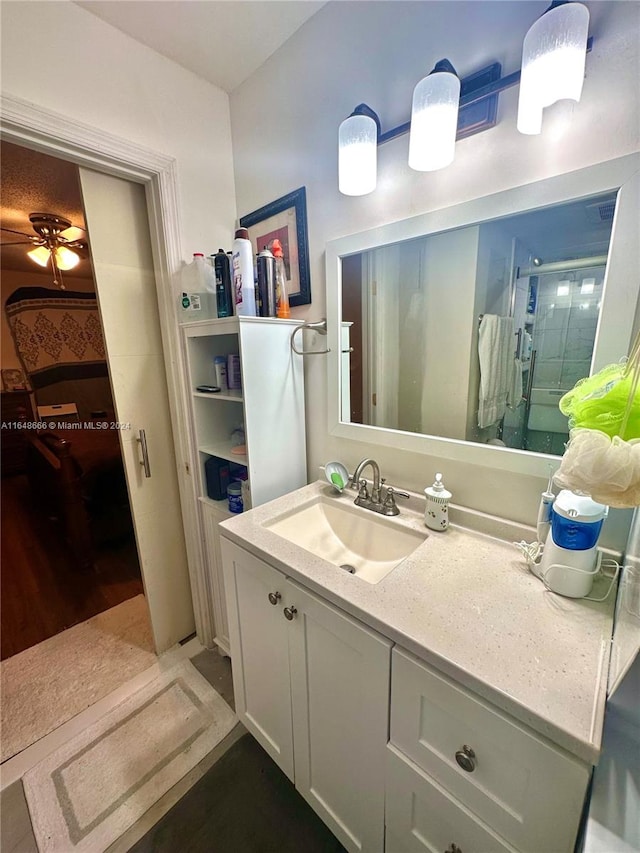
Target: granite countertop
point(466, 603)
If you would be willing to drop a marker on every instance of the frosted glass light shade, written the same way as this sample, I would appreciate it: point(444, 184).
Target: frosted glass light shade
point(66, 259)
point(434, 121)
point(39, 255)
point(553, 59)
point(357, 155)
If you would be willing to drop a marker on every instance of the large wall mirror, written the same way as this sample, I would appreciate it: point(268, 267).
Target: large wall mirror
point(457, 332)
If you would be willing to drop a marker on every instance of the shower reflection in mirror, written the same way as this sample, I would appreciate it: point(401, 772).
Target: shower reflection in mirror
point(413, 343)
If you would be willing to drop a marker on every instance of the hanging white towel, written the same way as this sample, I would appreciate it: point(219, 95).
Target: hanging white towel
point(514, 398)
point(495, 350)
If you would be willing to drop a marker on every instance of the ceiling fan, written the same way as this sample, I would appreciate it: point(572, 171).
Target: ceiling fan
point(55, 240)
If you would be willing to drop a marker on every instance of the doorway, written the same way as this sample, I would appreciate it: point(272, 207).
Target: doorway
point(167, 577)
point(68, 549)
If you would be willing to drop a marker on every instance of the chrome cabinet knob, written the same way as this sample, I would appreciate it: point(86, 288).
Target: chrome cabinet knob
point(466, 758)
point(274, 597)
point(289, 613)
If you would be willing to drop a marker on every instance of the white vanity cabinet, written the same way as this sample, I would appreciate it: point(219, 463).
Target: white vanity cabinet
point(312, 685)
point(482, 774)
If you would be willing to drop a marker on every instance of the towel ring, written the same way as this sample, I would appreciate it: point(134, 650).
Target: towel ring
point(319, 326)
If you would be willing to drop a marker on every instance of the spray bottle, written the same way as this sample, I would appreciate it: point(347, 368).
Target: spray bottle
point(282, 300)
point(242, 272)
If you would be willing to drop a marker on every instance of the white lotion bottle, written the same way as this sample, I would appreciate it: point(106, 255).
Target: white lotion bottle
point(436, 511)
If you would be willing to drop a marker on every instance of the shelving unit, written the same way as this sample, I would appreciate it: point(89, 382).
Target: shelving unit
point(270, 406)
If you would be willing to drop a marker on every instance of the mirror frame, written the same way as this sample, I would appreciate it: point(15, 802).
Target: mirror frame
point(617, 317)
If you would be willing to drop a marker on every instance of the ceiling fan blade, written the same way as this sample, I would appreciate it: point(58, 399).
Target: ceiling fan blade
point(72, 234)
point(18, 243)
point(11, 231)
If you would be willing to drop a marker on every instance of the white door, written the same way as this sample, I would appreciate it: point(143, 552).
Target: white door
point(259, 636)
point(340, 673)
point(117, 221)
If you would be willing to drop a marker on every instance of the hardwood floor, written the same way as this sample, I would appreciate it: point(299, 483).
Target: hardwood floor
point(41, 592)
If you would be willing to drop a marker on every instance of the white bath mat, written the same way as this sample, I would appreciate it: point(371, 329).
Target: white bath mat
point(86, 794)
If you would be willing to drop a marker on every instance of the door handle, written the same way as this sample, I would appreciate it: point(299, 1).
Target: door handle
point(142, 439)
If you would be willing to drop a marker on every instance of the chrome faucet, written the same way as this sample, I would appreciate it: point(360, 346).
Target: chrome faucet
point(374, 501)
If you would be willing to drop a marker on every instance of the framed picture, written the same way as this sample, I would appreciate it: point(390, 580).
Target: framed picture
point(286, 220)
point(13, 380)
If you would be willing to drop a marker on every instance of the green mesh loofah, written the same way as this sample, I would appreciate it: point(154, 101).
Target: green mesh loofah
point(600, 402)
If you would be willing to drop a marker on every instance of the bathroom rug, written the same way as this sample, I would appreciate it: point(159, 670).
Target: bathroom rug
point(88, 792)
point(48, 684)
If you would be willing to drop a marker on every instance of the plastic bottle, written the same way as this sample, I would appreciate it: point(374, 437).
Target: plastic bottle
point(282, 299)
point(242, 273)
point(220, 367)
point(197, 285)
point(222, 269)
point(436, 512)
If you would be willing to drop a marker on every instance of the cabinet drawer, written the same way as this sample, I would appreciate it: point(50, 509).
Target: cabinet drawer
point(524, 788)
point(421, 816)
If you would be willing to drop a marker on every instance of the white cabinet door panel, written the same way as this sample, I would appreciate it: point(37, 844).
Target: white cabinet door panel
point(259, 636)
point(340, 697)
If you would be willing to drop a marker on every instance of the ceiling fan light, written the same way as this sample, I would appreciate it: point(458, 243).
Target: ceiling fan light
point(65, 258)
point(40, 255)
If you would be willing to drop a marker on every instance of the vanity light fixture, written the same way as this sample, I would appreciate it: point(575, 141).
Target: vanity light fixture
point(358, 152)
point(553, 63)
point(434, 119)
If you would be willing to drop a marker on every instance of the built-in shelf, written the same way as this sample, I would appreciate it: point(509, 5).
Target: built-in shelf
point(222, 450)
point(235, 396)
point(270, 406)
point(220, 506)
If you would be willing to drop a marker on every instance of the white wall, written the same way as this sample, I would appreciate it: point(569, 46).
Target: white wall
point(285, 122)
point(65, 59)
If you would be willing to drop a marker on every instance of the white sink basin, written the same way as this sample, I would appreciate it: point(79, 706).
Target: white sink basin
point(357, 540)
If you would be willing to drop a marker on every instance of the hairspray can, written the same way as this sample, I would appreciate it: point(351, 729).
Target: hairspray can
point(266, 264)
point(222, 268)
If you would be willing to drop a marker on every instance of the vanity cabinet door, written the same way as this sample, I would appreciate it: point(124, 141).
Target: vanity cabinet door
point(340, 672)
point(260, 642)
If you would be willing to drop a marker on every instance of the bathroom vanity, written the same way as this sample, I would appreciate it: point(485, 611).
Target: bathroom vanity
point(446, 703)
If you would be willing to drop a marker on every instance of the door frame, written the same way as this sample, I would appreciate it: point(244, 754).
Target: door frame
point(31, 126)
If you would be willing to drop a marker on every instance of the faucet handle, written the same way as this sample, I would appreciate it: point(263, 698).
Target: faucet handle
point(390, 498)
point(363, 492)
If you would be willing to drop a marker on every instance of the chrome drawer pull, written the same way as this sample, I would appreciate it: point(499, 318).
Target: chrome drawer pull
point(466, 758)
point(289, 613)
point(274, 597)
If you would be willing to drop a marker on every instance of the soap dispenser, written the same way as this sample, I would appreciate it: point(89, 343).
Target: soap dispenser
point(436, 512)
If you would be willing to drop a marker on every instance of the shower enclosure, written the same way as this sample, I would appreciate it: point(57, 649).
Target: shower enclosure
point(556, 312)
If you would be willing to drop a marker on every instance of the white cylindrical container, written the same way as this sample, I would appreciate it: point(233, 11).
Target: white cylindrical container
point(220, 367)
point(244, 292)
point(436, 511)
